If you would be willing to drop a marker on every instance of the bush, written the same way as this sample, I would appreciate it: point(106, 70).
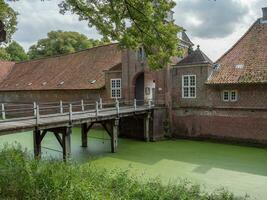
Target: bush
point(22, 177)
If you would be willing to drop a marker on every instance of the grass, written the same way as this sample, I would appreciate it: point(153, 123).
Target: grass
point(21, 177)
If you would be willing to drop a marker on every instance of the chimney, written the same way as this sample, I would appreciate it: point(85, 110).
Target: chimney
point(264, 14)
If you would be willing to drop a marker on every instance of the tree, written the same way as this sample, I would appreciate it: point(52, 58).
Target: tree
point(13, 52)
point(8, 21)
point(16, 52)
point(4, 55)
point(133, 23)
point(60, 42)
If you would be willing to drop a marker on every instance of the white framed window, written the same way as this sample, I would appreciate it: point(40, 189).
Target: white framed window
point(226, 95)
point(115, 88)
point(229, 95)
point(189, 84)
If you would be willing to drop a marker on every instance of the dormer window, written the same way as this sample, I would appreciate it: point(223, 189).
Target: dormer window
point(239, 66)
point(216, 66)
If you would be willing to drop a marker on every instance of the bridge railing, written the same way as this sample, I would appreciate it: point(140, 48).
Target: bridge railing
point(18, 111)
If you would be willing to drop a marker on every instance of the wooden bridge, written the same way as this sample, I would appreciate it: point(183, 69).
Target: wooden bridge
point(59, 118)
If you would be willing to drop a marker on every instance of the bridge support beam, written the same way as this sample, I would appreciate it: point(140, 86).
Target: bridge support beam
point(37, 143)
point(63, 136)
point(85, 128)
point(66, 142)
point(147, 127)
point(38, 136)
point(114, 136)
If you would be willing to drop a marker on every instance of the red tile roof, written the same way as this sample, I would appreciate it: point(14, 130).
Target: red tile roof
point(246, 61)
point(5, 68)
point(70, 71)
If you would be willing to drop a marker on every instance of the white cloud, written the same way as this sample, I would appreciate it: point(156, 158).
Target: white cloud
point(215, 25)
point(37, 18)
point(219, 24)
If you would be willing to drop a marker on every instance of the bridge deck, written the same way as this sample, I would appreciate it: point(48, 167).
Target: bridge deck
point(59, 120)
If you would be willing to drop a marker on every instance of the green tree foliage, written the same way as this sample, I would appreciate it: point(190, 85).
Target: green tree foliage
point(3, 54)
point(9, 18)
point(16, 52)
point(61, 42)
point(13, 52)
point(133, 23)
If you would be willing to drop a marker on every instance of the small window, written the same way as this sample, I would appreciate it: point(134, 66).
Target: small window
point(115, 88)
point(239, 66)
point(229, 95)
point(226, 96)
point(141, 54)
point(233, 95)
point(189, 86)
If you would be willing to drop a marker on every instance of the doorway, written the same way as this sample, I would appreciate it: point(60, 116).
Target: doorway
point(139, 89)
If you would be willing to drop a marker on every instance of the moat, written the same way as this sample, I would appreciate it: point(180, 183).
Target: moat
point(239, 169)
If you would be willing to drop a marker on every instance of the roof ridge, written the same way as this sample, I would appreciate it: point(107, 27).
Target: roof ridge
point(66, 54)
point(246, 33)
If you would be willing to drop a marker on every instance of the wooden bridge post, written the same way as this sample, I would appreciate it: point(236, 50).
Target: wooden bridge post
point(61, 107)
point(37, 143)
point(135, 104)
point(146, 127)
point(3, 111)
point(114, 138)
point(85, 128)
point(37, 115)
point(118, 106)
point(34, 108)
point(66, 142)
point(70, 113)
point(82, 105)
point(100, 103)
point(96, 109)
point(84, 135)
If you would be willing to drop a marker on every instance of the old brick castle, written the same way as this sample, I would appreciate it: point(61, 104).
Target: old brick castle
point(194, 97)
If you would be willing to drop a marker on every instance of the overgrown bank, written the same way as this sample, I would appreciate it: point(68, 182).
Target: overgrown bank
point(24, 178)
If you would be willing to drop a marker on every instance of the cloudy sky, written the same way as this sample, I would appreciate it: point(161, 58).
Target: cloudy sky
point(214, 25)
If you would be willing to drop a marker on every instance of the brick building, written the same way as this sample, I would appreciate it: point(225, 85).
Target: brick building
point(196, 98)
point(227, 99)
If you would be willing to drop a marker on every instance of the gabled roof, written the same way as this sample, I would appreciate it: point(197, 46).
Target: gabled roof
point(246, 61)
point(194, 58)
point(80, 70)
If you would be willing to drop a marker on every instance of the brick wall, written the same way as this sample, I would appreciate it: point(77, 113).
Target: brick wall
point(226, 124)
point(50, 95)
point(202, 72)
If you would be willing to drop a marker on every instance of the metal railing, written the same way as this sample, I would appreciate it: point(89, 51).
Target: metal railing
point(36, 111)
